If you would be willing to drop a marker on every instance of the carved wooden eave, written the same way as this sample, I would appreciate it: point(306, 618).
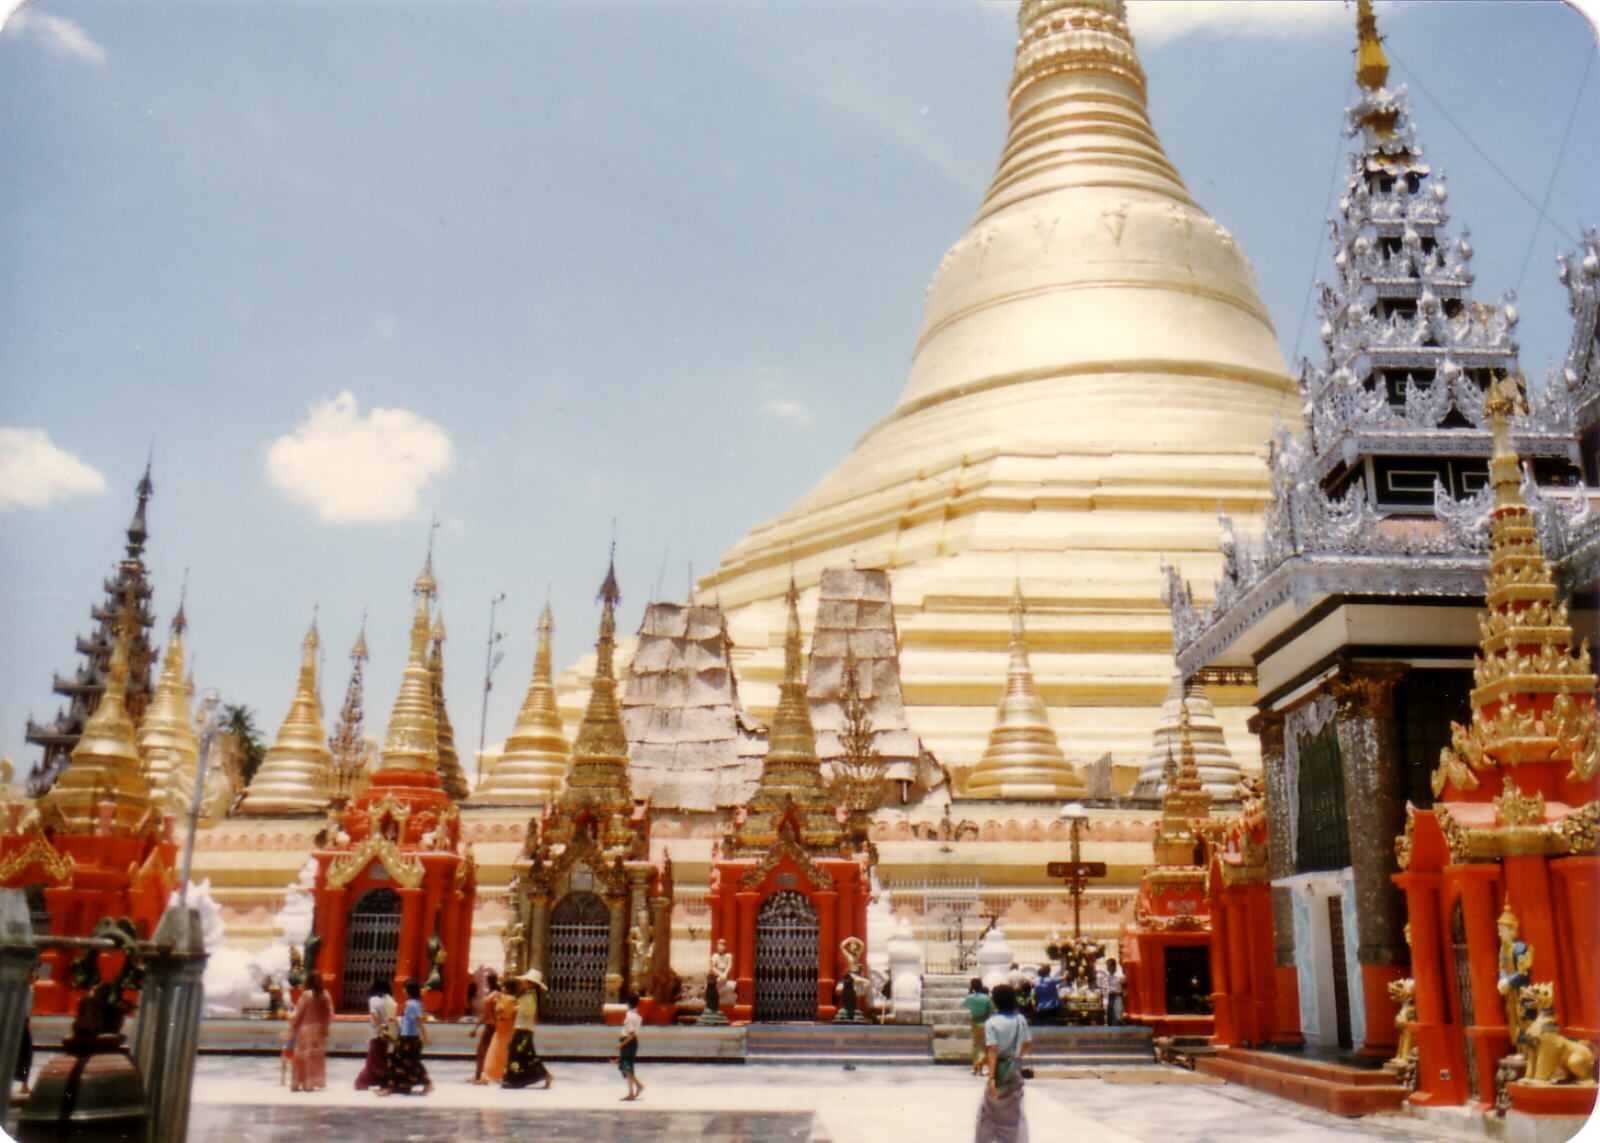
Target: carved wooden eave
point(57, 867)
point(543, 878)
point(153, 868)
point(786, 846)
point(1174, 879)
point(347, 866)
point(1575, 834)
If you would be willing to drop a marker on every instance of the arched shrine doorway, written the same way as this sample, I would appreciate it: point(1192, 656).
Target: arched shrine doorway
point(786, 958)
point(372, 946)
point(580, 940)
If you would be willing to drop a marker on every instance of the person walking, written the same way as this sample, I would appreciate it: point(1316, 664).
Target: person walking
point(485, 1029)
point(308, 1029)
point(501, 1011)
point(1007, 1040)
point(524, 1067)
point(406, 1069)
point(628, 1048)
point(381, 1012)
point(979, 1008)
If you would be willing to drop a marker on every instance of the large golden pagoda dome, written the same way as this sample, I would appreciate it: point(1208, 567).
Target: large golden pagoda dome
point(1095, 373)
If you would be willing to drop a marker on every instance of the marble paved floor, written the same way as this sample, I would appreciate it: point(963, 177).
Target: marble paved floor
point(238, 1099)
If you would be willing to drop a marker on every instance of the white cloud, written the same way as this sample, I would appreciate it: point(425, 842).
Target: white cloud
point(350, 467)
point(1156, 22)
point(35, 473)
point(59, 35)
point(788, 410)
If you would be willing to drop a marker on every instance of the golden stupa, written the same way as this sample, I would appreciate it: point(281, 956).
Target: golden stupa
point(597, 776)
point(1184, 801)
point(1023, 758)
point(791, 774)
point(105, 768)
point(1095, 373)
point(166, 737)
point(295, 776)
point(450, 773)
point(1187, 703)
point(411, 741)
point(534, 761)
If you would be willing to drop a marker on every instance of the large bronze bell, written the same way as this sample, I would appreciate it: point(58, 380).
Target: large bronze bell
point(91, 1093)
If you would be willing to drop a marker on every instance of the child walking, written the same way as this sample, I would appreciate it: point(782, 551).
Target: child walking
point(628, 1048)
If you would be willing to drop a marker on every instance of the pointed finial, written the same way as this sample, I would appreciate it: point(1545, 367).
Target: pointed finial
point(1018, 609)
point(1372, 66)
point(180, 622)
point(359, 651)
point(426, 585)
point(609, 591)
point(312, 640)
point(438, 627)
point(546, 619)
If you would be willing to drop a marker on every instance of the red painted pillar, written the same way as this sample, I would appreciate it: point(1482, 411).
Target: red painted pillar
point(744, 957)
point(827, 904)
point(334, 907)
point(1224, 1026)
point(454, 949)
point(411, 938)
point(1439, 1057)
point(1263, 987)
point(1488, 1039)
point(1577, 889)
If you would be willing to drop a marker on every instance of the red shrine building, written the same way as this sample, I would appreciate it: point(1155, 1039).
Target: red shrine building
point(1501, 875)
point(1166, 952)
point(788, 887)
point(98, 846)
point(394, 890)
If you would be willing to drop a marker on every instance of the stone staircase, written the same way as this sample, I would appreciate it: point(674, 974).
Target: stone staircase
point(846, 1044)
point(1325, 1084)
point(942, 1012)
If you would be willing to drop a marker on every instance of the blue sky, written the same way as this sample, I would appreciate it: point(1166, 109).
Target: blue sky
point(532, 267)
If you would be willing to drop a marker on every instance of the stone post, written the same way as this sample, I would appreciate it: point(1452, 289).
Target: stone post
point(167, 1033)
point(1375, 812)
point(17, 959)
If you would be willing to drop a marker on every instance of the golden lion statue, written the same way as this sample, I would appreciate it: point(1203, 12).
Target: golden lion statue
point(1404, 994)
point(1551, 1056)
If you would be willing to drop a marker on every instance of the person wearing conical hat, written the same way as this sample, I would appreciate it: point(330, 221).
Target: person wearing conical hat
point(524, 1067)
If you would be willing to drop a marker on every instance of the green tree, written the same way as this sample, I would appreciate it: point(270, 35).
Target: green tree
point(239, 721)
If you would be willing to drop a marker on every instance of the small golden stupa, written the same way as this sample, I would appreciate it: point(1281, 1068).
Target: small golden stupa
point(1023, 758)
point(450, 775)
point(295, 775)
point(166, 737)
point(531, 766)
point(106, 770)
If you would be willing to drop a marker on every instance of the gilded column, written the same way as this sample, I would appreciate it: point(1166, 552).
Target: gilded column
point(538, 931)
point(617, 907)
point(1374, 810)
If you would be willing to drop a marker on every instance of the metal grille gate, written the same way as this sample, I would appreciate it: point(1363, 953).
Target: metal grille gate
point(372, 946)
point(786, 958)
point(580, 939)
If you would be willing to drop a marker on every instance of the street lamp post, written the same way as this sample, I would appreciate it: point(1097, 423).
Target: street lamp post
point(490, 662)
point(1077, 872)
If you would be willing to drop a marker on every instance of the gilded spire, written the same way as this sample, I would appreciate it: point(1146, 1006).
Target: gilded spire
point(347, 746)
point(598, 773)
point(450, 775)
point(296, 772)
point(1533, 697)
point(166, 736)
point(530, 768)
point(1221, 775)
point(1185, 801)
point(412, 740)
point(1372, 66)
point(1023, 758)
point(105, 764)
point(791, 777)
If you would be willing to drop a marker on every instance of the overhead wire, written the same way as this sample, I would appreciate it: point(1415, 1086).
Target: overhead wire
point(1555, 168)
